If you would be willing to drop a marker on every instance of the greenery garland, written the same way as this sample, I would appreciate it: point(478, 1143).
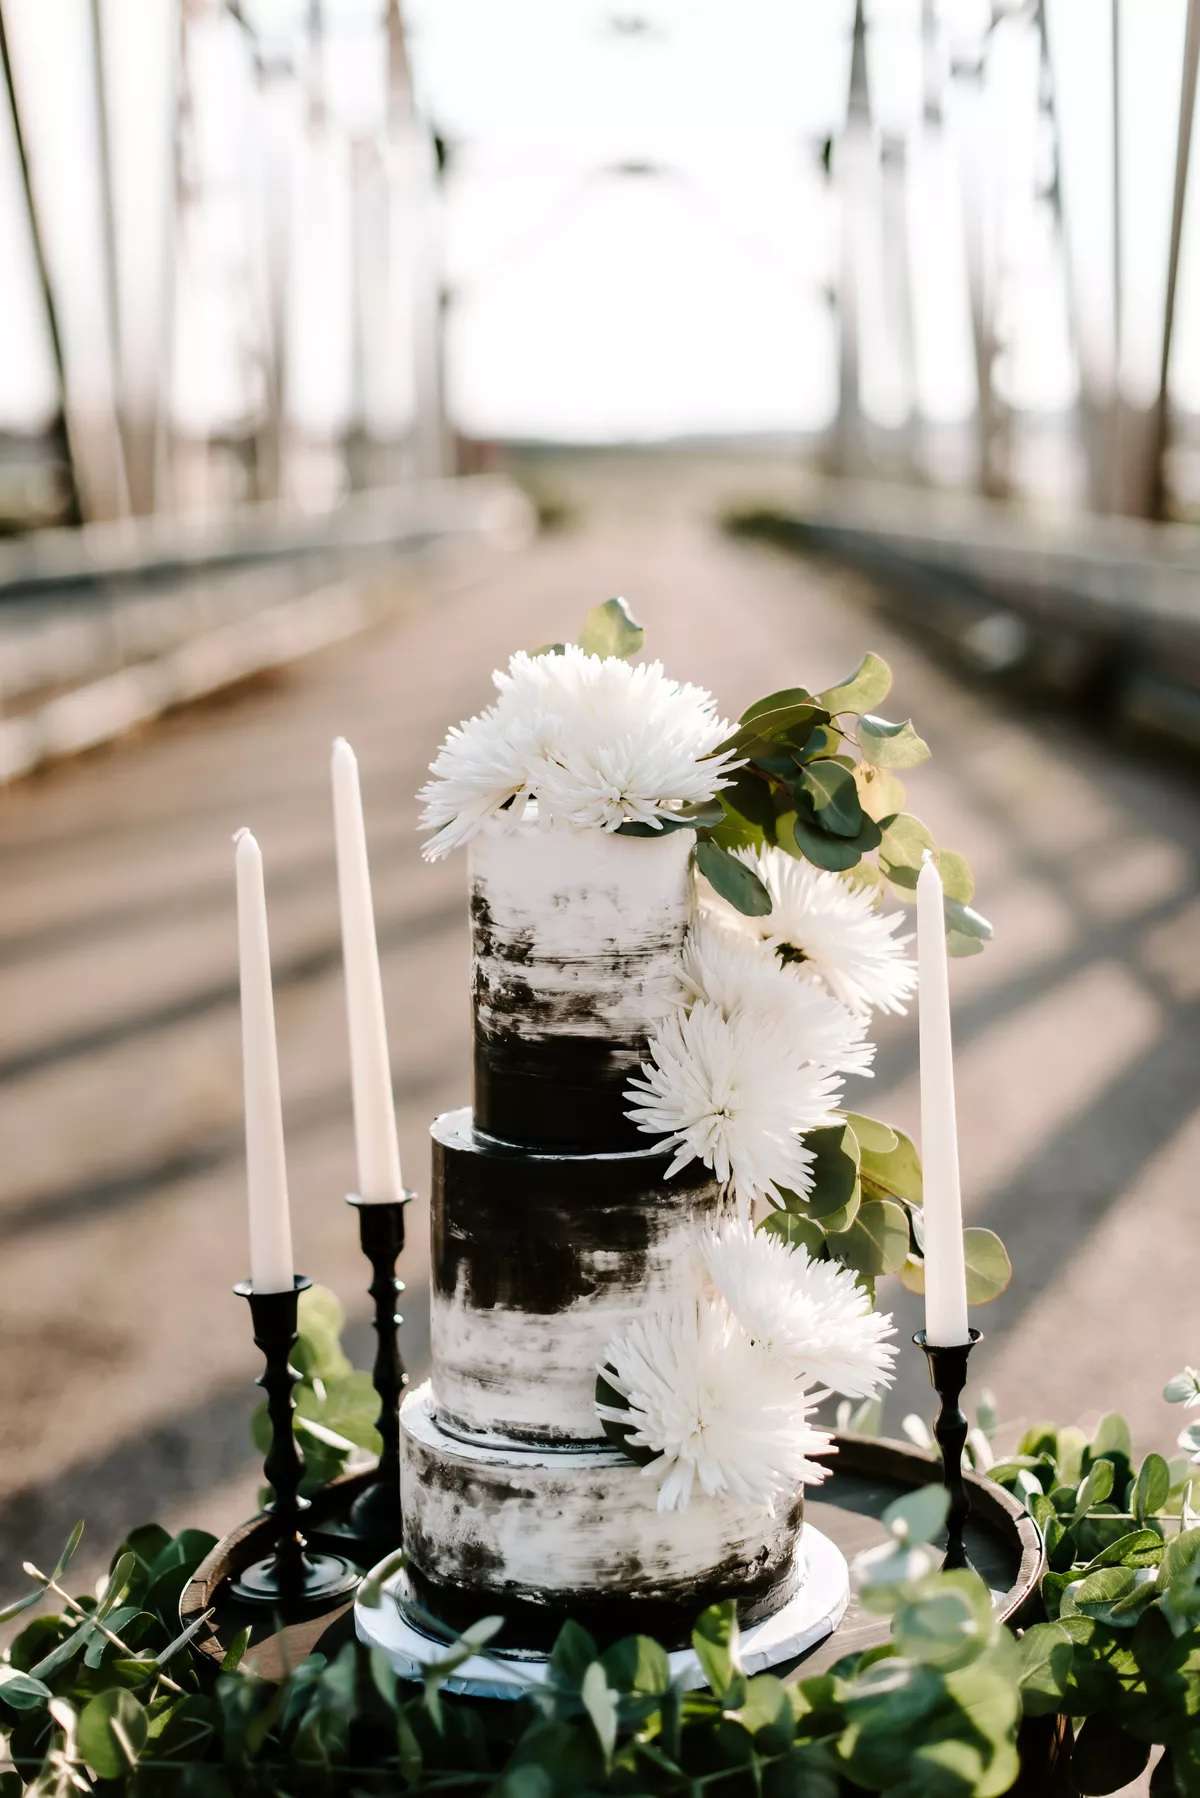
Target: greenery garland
point(101, 1693)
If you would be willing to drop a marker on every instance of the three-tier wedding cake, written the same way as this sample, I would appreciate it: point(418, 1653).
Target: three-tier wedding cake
point(553, 1231)
point(619, 1422)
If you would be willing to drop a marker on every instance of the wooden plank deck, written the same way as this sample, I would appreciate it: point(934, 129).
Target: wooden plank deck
point(127, 1361)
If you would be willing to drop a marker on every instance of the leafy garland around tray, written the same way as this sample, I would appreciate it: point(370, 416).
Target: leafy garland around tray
point(100, 1692)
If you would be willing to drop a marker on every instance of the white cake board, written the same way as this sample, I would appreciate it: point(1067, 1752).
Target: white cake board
point(805, 1620)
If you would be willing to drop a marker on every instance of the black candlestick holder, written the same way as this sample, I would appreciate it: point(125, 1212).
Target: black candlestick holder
point(290, 1578)
point(948, 1376)
point(375, 1514)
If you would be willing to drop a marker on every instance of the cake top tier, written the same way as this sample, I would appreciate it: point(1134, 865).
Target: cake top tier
point(576, 942)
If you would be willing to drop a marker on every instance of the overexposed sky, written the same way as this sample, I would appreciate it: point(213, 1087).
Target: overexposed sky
point(587, 302)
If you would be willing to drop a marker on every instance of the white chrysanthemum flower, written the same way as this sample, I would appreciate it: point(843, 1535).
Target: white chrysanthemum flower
point(642, 777)
point(813, 1315)
point(717, 1412)
point(838, 930)
point(482, 766)
point(731, 1092)
point(732, 970)
point(596, 741)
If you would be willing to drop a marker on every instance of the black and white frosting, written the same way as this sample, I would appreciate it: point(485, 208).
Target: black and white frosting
point(539, 1260)
point(576, 937)
point(539, 1536)
point(554, 1228)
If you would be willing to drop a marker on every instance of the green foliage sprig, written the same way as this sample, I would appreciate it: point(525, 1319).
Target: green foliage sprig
point(864, 1210)
point(818, 779)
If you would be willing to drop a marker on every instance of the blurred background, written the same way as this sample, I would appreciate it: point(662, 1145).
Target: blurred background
point(346, 346)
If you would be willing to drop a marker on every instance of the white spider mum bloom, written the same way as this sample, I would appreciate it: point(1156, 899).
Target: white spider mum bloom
point(813, 1315)
point(838, 930)
point(630, 744)
point(731, 969)
point(717, 1412)
point(483, 765)
point(730, 1092)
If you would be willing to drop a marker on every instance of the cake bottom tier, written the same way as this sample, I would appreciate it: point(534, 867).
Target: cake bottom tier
point(537, 1536)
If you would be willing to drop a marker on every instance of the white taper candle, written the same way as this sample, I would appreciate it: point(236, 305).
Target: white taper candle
point(271, 1266)
point(945, 1274)
point(370, 1068)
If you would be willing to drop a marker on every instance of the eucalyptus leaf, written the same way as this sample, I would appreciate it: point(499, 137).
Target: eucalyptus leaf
point(611, 630)
point(918, 1516)
point(946, 1628)
point(834, 797)
point(639, 1665)
point(1047, 1652)
point(600, 1703)
point(573, 1653)
point(912, 1275)
point(67, 1554)
point(715, 1644)
point(889, 745)
point(906, 842)
point(989, 1269)
point(1137, 1548)
point(892, 1173)
point(798, 1232)
point(881, 793)
point(754, 739)
point(803, 838)
point(786, 699)
point(113, 1729)
point(733, 880)
point(874, 1137)
point(833, 1172)
point(1151, 1488)
point(699, 817)
point(1183, 1388)
point(1112, 1437)
point(18, 1605)
point(318, 1353)
point(824, 740)
point(966, 929)
point(21, 1691)
point(877, 1241)
point(954, 870)
point(867, 687)
point(1093, 1489)
point(63, 1653)
point(750, 797)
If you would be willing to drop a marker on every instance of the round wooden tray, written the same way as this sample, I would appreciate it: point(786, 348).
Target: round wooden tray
point(1002, 1540)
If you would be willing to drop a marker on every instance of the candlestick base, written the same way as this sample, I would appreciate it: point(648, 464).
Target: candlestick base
point(948, 1376)
point(375, 1516)
point(315, 1579)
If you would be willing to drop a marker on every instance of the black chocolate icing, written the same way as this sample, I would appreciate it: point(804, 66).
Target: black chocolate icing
point(539, 1232)
point(548, 1071)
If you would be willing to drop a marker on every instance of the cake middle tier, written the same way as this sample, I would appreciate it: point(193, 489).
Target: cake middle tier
point(538, 1260)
